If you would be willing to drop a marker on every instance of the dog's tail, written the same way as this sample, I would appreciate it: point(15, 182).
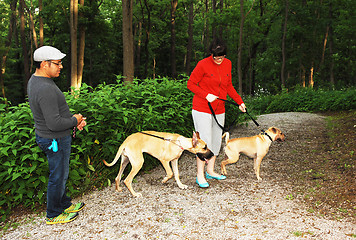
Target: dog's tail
point(118, 154)
point(227, 134)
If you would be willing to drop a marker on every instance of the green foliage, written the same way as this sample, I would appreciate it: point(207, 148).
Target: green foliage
point(23, 169)
point(305, 100)
point(309, 100)
point(310, 25)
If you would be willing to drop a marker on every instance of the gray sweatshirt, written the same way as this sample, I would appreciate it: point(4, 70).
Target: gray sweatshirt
point(49, 108)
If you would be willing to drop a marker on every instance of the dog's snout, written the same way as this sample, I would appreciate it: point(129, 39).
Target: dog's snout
point(205, 156)
point(281, 138)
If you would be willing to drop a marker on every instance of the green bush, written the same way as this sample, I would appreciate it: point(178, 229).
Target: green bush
point(305, 100)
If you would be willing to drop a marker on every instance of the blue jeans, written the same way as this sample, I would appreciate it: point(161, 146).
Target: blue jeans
point(58, 163)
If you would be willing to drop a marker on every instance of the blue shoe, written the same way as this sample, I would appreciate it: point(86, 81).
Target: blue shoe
point(208, 176)
point(202, 185)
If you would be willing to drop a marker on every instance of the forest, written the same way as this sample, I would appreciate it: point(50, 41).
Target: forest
point(273, 45)
point(129, 62)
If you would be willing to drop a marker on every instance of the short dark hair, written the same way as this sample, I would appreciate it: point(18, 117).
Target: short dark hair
point(217, 47)
point(37, 64)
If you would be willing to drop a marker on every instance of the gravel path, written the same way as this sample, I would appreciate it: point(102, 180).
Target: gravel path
point(236, 208)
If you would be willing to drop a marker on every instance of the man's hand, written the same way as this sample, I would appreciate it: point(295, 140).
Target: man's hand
point(79, 118)
point(82, 124)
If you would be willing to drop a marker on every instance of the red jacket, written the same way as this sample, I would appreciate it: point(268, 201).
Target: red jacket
point(209, 77)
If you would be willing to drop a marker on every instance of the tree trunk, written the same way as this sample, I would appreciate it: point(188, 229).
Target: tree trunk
point(33, 29)
point(73, 41)
point(128, 49)
point(190, 38)
point(138, 51)
point(332, 63)
point(7, 47)
point(81, 49)
point(239, 52)
point(331, 45)
point(147, 38)
point(214, 24)
point(26, 64)
point(324, 48)
point(174, 4)
point(206, 38)
point(311, 77)
point(283, 81)
point(221, 28)
point(41, 22)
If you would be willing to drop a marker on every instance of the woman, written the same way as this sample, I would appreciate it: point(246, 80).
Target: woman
point(210, 80)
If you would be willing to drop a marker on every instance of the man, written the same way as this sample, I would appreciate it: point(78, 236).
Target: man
point(53, 125)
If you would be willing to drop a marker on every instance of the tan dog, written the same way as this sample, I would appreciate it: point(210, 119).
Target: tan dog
point(255, 147)
point(166, 147)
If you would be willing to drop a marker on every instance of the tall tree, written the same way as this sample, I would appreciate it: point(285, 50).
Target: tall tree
point(190, 38)
point(8, 41)
point(221, 27)
point(174, 4)
point(206, 39)
point(32, 27)
point(284, 44)
point(81, 46)
point(138, 32)
point(26, 64)
point(213, 4)
point(331, 47)
point(127, 35)
point(40, 6)
point(148, 26)
point(73, 44)
point(239, 53)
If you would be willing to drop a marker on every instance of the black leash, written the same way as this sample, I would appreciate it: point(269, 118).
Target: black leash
point(233, 103)
point(227, 129)
point(164, 139)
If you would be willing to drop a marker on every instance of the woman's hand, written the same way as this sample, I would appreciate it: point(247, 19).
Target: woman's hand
point(211, 97)
point(242, 107)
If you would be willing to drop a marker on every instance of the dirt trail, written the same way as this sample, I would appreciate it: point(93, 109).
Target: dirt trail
point(236, 208)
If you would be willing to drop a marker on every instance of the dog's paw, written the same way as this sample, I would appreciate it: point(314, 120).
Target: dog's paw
point(138, 195)
point(165, 179)
point(183, 186)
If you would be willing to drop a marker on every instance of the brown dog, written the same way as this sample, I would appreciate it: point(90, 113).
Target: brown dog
point(255, 147)
point(166, 147)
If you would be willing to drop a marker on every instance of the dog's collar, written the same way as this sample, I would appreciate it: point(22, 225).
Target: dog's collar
point(264, 133)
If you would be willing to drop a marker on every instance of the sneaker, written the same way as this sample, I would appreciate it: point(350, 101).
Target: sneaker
point(62, 218)
point(75, 208)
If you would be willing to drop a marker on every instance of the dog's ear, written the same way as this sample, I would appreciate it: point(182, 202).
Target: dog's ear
point(274, 130)
point(195, 138)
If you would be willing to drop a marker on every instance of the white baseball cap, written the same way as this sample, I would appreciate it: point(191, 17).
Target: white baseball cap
point(46, 53)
